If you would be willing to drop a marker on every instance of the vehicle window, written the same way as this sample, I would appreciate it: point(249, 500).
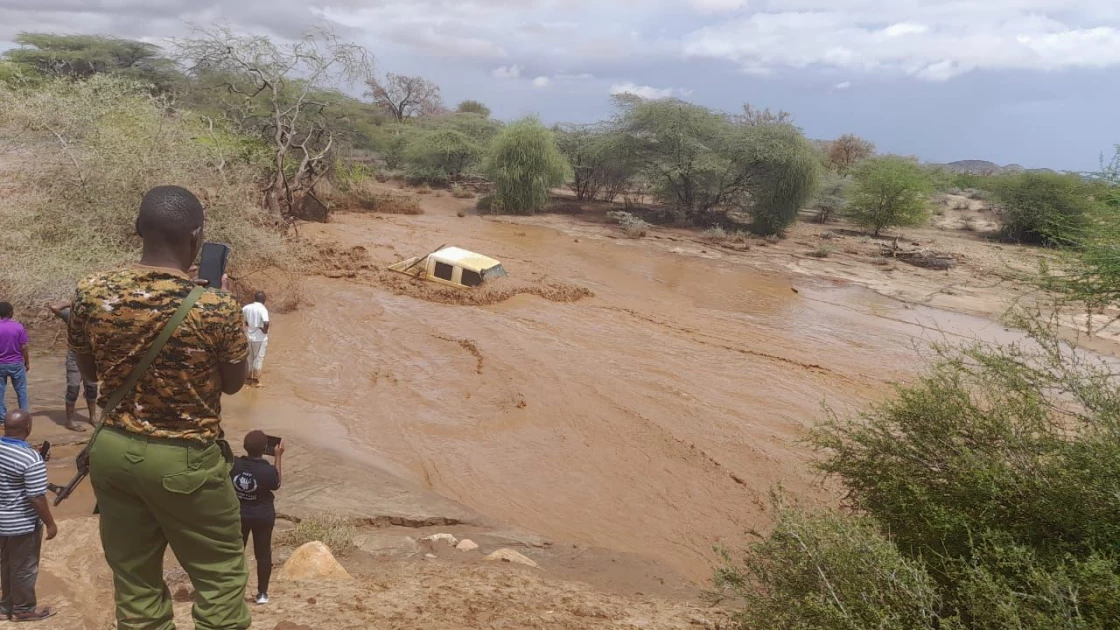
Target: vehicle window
point(494, 272)
point(471, 278)
point(443, 270)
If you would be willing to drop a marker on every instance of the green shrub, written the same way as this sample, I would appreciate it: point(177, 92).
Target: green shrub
point(436, 156)
point(473, 107)
point(890, 192)
point(998, 469)
point(1045, 208)
point(703, 164)
point(525, 165)
point(828, 571)
point(833, 195)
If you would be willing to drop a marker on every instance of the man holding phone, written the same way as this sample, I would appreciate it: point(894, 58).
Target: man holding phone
point(158, 465)
point(254, 480)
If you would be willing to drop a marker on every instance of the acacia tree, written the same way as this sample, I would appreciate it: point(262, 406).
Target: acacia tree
point(283, 93)
point(82, 56)
point(890, 191)
point(599, 165)
point(847, 151)
point(755, 117)
point(404, 97)
point(705, 164)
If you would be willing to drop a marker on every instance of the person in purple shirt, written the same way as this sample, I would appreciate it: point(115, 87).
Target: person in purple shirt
point(14, 360)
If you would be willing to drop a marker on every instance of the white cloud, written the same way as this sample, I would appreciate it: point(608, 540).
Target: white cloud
point(717, 6)
point(643, 91)
point(541, 82)
point(585, 76)
point(934, 40)
point(506, 72)
point(843, 85)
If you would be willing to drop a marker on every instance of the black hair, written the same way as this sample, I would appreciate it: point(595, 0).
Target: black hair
point(6, 310)
point(255, 443)
point(170, 213)
point(259, 297)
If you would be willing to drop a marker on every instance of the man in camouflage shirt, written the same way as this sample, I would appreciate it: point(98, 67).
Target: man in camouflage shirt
point(159, 474)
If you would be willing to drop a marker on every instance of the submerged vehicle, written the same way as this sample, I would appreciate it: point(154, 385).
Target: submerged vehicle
point(452, 266)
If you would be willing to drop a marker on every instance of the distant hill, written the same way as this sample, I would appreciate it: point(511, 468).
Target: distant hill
point(984, 167)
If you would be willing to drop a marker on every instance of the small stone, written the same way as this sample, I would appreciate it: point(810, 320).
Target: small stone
point(311, 601)
point(312, 561)
point(431, 556)
point(509, 555)
point(467, 545)
point(447, 539)
point(461, 214)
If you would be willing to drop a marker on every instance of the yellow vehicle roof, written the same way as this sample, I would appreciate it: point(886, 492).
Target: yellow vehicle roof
point(465, 259)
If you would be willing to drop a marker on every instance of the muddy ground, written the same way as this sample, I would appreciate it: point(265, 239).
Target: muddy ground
point(614, 410)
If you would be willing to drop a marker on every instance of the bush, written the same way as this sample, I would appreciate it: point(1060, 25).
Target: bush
point(601, 167)
point(73, 209)
point(998, 468)
point(1045, 208)
point(525, 165)
point(336, 533)
point(832, 197)
point(436, 156)
point(632, 226)
point(704, 164)
point(828, 571)
point(890, 192)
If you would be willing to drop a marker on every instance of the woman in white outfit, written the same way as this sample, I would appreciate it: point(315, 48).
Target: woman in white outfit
point(256, 327)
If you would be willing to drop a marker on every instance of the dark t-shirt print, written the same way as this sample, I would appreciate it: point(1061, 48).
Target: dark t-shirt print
point(254, 480)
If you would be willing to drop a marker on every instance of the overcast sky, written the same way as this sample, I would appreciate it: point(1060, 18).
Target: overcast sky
point(1036, 82)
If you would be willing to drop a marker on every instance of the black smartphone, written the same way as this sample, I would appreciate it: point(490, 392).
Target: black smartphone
point(45, 451)
point(212, 263)
point(270, 447)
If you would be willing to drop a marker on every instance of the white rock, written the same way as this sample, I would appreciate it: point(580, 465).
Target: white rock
point(447, 539)
point(431, 556)
point(509, 555)
point(312, 561)
point(467, 544)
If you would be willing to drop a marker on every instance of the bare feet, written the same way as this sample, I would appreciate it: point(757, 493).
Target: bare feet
point(77, 428)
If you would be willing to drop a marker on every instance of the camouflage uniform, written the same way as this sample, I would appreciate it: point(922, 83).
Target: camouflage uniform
point(157, 472)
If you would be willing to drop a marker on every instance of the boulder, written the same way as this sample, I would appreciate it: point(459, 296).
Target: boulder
point(509, 555)
point(446, 539)
point(312, 561)
point(467, 544)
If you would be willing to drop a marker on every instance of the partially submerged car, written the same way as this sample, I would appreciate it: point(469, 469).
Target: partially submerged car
point(452, 266)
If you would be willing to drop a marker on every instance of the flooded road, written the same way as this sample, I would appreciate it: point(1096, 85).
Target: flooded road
point(653, 417)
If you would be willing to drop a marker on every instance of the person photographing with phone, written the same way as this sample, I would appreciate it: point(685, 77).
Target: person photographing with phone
point(254, 480)
point(165, 350)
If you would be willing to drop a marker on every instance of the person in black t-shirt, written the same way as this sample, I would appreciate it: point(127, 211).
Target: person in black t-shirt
point(255, 479)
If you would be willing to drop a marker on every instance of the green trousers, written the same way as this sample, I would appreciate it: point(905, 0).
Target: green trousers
point(153, 492)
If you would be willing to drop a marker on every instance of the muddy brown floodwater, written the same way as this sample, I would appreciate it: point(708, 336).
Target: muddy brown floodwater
point(653, 416)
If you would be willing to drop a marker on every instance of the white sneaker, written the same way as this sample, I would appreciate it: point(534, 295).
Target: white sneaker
point(262, 598)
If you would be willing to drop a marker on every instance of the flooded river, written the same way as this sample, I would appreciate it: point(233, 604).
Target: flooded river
point(654, 417)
